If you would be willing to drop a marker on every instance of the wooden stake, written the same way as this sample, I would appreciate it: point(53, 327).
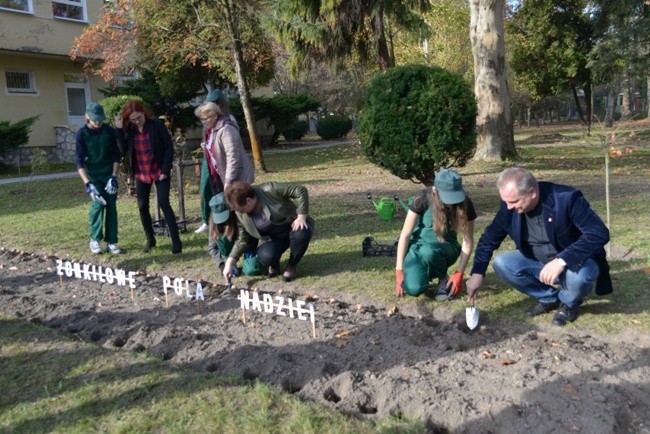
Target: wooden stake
point(61, 281)
point(243, 315)
point(166, 299)
point(198, 306)
point(313, 329)
point(132, 295)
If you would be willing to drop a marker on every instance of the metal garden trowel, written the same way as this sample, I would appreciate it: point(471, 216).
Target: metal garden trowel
point(471, 317)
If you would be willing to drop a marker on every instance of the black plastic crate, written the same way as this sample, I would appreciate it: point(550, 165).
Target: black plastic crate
point(371, 247)
point(160, 227)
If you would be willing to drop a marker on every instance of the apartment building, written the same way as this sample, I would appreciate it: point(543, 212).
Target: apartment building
point(36, 75)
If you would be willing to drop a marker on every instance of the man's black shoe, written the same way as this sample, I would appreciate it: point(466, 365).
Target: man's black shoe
point(541, 308)
point(564, 315)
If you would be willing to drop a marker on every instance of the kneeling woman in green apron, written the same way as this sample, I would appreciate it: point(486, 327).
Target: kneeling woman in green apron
point(223, 229)
point(428, 244)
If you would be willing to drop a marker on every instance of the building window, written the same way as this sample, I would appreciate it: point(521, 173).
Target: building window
point(20, 81)
point(123, 78)
point(69, 9)
point(72, 77)
point(17, 5)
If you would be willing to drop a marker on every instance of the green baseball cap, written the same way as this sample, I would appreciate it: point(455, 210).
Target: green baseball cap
point(214, 95)
point(95, 112)
point(220, 212)
point(449, 185)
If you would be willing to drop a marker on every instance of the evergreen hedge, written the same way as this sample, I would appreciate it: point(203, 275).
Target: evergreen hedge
point(333, 127)
point(417, 120)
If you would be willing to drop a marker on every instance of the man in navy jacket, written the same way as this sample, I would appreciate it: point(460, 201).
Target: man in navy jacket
point(560, 245)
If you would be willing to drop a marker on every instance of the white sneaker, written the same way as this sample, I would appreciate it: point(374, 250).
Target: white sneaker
point(113, 249)
point(95, 247)
point(204, 228)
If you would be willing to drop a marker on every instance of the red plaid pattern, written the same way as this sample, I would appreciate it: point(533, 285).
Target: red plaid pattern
point(146, 169)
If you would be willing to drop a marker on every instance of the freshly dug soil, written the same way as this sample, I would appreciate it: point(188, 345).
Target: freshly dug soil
point(367, 359)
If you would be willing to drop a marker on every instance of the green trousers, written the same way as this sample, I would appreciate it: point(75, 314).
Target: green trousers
point(427, 261)
point(97, 214)
point(205, 190)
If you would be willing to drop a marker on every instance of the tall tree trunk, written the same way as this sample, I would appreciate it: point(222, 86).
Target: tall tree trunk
point(625, 104)
point(610, 105)
point(379, 35)
point(390, 44)
point(581, 113)
point(589, 102)
point(494, 127)
point(242, 86)
point(647, 100)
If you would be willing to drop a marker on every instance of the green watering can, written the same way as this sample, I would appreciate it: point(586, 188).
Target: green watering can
point(385, 208)
point(404, 205)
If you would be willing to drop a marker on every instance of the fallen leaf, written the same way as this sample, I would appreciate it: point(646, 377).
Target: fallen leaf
point(488, 355)
point(341, 343)
point(556, 345)
point(635, 321)
point(342, 333)
point(332, 301)
point(406, 374)
point(280, 291)
point(359, 307)
point(13, 268)
point(569, 389)
point(507, 362)
point(392, 311)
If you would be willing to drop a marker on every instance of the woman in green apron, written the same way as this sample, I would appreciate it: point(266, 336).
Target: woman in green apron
point(428, 244)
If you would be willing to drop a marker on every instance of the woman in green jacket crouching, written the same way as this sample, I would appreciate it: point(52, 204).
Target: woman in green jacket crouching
point(278, 216)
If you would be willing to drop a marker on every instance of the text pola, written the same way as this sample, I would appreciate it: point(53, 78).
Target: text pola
point(177, 286)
